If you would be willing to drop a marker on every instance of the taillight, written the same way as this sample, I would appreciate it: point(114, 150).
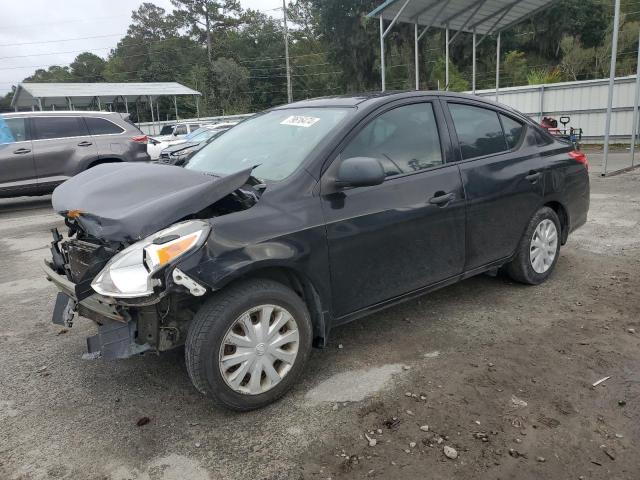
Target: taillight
point(580, 158)
point(140, 139)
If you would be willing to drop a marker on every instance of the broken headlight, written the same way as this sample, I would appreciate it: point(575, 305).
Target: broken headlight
point(129, 274)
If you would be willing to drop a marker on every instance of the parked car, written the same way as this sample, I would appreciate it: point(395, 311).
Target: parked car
point(303, 218)
point(40, 150)
point(170, 135)
point(177, 154)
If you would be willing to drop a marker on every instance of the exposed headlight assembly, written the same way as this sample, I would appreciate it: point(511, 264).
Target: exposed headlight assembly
point(129, 273)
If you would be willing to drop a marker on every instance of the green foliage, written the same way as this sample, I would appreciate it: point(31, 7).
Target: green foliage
point(515, 68)
point(235, 57)
point(541, 76)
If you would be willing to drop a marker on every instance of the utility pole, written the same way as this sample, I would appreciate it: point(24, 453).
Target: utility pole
point(286, 51)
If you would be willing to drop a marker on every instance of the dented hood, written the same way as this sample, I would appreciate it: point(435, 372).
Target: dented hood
point(126, 202)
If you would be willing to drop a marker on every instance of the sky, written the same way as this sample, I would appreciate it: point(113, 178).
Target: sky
point(38, 33)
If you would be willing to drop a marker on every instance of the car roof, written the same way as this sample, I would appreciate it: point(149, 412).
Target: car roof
point(58, 113)
point(373, 98)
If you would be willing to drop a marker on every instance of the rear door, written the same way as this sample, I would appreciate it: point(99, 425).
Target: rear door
point(407, 233)
point(17, 169)
point(62, 147)
point(503, 179)
point(107, 136)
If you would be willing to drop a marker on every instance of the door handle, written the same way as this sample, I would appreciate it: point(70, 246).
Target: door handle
point(85, 144)
point(533, 177)
point(22, 151)
point(442, 199)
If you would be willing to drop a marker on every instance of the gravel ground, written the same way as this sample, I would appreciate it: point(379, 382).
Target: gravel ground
point(499, 372)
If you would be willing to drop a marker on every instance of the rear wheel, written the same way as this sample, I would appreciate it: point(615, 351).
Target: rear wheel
point(538, 250)
point(247, 345)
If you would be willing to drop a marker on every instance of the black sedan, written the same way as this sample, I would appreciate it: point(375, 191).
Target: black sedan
point(303, 218)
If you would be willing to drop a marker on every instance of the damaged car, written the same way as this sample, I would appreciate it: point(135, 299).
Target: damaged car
point(302, 218)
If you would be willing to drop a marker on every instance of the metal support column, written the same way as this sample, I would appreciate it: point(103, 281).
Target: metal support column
point(126, 104)
point(153, 120)
point(40, 103)
point(383, 34)
point(541, 104)
point(286, 52)
point(473, 54)
point(197, 106)
point(498, 67)
point(634, 133)
point(175, 105)
point(612, 79)
point(99, 104)
point(417, 56)
point(446, 59)
point(382, 66)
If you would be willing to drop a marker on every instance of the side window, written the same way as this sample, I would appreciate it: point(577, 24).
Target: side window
point(13, 130)
point(404, 139)
point(479, 130)
point(193, 127)
point(58, 127)
point(513, 131)
point(100, 126)
point(166, 130)
point(180, 130)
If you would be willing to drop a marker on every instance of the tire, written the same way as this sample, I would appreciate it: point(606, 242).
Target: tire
point(219, 318)
point(521, 268)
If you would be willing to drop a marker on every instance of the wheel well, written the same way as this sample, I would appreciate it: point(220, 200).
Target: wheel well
point(304, 288)
point(102, 161)
point(561, 212)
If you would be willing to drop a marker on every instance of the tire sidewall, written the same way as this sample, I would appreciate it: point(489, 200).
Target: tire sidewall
point(210, 347)
point(531, 275)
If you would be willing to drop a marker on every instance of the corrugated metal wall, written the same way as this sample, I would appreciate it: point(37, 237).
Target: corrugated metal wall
point(585, 102)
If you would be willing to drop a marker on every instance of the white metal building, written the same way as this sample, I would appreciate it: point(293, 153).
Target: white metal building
point(584, 101)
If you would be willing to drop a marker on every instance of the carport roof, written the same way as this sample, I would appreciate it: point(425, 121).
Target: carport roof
point(486, 16)
point(80, 93)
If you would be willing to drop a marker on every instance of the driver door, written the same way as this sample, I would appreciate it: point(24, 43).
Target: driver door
point(407, 233)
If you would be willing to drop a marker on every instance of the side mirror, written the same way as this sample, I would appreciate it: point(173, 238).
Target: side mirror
point(360, 172)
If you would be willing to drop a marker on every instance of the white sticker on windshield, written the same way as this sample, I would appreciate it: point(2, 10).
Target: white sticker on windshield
point(300, 121)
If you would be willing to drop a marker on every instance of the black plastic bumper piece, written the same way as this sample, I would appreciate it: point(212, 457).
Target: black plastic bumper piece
point(115, 340)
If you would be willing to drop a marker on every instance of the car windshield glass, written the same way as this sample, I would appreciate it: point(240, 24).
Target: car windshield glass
point(167, 130)
point(195, 133)
point(277, 142)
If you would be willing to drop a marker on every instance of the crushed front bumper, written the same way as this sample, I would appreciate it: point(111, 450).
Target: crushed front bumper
point(117, 331)
point(94, 303)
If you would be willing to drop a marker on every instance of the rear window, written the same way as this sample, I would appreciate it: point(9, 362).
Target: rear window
point(479, 130)
point(100, 126)
point(13, 130)
point(513, 131)
point(180, 130)
point(59, 127)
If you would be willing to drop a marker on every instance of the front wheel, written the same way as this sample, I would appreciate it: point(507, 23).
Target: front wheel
point(247, 345)
point(538, 250)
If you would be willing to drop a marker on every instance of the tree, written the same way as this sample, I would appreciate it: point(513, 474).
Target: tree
point(515, 68)
point(54, 73)
point(207, 18)
point(5, 102)
point(150, 22)
point(232, 85)
point(88, 67)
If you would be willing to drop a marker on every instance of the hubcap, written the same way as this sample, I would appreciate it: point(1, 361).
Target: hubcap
point(259, 349)
point(544, 246)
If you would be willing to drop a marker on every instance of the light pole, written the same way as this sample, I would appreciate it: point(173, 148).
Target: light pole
point(286, 51)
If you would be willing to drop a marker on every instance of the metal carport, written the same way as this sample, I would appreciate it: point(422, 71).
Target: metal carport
point(73, 95)
point(478, 17)
point(484, 18)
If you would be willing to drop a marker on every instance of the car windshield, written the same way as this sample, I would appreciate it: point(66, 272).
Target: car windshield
point(277, 142)
point(199, 135)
